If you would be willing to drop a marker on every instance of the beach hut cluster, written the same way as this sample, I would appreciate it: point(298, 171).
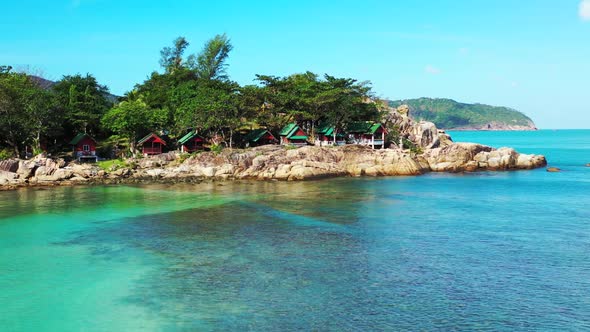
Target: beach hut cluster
point(360, 133)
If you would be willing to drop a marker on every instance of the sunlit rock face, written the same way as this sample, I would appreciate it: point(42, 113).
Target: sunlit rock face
point(272, 162)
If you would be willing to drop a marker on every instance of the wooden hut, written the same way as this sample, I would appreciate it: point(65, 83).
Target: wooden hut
point(84, 148)
point(151, 144)
point(292, 134)
point(191, 142)
point(367, 133)
point(328, 135)
point(259, 137)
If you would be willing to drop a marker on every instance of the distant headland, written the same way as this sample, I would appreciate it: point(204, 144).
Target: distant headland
point(449, 114)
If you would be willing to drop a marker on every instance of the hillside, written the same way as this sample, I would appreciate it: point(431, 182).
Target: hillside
point(450, 114)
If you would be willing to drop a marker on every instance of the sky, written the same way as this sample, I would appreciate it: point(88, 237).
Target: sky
point(531, 55)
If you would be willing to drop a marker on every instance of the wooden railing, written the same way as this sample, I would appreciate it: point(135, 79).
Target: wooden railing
point(149, 150)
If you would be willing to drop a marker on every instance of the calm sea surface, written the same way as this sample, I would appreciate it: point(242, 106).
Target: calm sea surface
point(484, 251)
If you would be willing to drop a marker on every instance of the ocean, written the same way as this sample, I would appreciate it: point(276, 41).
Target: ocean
point(497, 251)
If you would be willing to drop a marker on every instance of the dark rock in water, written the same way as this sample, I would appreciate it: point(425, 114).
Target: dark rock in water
point(553, 169)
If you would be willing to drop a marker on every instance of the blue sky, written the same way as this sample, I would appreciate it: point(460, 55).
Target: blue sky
point(532, 55)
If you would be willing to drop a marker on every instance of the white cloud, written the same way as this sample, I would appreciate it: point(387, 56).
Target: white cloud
point(429, 69)
point(585, 10)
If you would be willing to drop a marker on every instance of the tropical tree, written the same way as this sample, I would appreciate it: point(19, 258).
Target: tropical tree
point(171, 57)
point(26, 111)
point(210, 63)
point(349, 101)
point(132, 118)
point(83, 101)
point(308, 98)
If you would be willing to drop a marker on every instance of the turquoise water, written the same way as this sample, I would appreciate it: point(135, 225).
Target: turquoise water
point(485, 251)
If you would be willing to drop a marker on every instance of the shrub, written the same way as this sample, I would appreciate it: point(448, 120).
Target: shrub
point(216, 148)
point(413, 147)
point(5, 154)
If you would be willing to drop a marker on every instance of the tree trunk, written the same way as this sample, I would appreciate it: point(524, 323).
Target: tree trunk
point(37, 141)
point(133, 147)
point(231, 135)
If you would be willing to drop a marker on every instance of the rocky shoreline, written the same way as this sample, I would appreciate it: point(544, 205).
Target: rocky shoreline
point(268, 163)
point(433, 151)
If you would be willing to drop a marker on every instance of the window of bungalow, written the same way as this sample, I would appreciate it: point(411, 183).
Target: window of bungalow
point(86, 147)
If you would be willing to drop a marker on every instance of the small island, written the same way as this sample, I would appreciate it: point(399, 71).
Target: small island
point(192, 123)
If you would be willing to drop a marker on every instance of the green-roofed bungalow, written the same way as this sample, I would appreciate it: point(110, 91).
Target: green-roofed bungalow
point(151, 144)
point(292, 134)
point(191, 142)
point(84, 147)
point(259, 137)
point(367, 133)
point(324, 135)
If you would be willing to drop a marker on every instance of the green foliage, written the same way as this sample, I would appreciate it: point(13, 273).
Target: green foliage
point(210, 63)
point(5, 154)
point(184, 156)
point(393, 135)
point(171, 57)
point(412, 147)
point(26, 112)
point(307, 97)
point(132, 118)
point(83, 102)
point(216, 148)
point(193, 93)
point(448, 114)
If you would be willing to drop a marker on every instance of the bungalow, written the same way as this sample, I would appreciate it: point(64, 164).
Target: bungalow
point(84, 147)
point(191, 142)
point(151, 144)
point(367, 133)
point(324, 135)
point(259, 137)
point(292, 134)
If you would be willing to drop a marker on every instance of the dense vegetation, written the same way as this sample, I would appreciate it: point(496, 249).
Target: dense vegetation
point(192, 92)
point(33, 117)
point(448, 114)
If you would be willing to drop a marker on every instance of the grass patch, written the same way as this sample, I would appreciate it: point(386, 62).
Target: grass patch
point(111, 165)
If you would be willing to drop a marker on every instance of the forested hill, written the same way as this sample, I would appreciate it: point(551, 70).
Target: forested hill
point(450, 114)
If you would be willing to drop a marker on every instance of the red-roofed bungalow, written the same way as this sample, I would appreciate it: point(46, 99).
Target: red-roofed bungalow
point(151, 144)
point(84, 147)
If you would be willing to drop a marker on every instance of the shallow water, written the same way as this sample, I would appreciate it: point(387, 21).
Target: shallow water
point(483, 251)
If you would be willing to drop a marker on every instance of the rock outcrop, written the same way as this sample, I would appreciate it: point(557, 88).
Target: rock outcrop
point(423, 134)
point(275, 163)
point(462, 157)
